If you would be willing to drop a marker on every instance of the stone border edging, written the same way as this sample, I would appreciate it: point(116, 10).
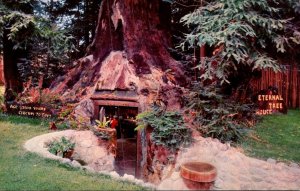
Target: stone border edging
point(37, 145)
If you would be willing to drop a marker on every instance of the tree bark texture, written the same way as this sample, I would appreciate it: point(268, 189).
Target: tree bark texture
point(129, 52)
point(13, 83)
point(1, 71)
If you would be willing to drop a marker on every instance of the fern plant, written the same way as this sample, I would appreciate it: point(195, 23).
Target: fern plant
point(169, 129)
point(217, 116)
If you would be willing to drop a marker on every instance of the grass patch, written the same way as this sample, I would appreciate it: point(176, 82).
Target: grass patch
point(14, 119)
point(2, 89)
point(277, 137)
point(21, 170)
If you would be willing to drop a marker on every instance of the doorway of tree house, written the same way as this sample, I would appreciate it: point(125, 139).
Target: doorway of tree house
point(126, 158)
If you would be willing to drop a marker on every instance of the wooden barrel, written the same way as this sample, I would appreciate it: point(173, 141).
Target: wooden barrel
point(198, 175)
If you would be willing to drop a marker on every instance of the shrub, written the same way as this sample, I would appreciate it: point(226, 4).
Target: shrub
point(217, 116)
point(169, 129)
point(38, 95)
point(65, 112)
point(62, 126)
point(101, 134)
point(60, 147)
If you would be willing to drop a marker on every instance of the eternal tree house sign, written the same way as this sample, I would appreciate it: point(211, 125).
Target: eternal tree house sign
point(269, 101)
point(29, 110)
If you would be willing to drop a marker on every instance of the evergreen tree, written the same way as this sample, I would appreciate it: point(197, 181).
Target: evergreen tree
point(30, 44)
point(79, 17)
point(243, 33)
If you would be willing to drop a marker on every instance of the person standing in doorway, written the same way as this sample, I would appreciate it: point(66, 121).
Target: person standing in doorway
point(114, 122)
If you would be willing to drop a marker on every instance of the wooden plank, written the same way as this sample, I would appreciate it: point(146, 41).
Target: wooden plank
point(116, 103)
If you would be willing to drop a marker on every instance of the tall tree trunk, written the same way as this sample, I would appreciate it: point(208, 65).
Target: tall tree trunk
point(12, 56)
point(87, 27)
point(129, 52)
point(1, 71)
point(13, 83)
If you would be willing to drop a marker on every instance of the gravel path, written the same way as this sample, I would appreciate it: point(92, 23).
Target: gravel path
point(235, 170)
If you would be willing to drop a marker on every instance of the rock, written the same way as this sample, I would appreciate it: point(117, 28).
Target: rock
point(84, 110)
point(255, 171)
point(97, 152)
point(89, 169)
point(86, 143)
point(75, 164)
point(167, 171)
point(282, 166)
point(175, 176)
point(166, 185)
point(257, 179)
point(244, 178)
point(294, 165)
point(65, 161)
point(218, 183)
point(177, 168)
point(88, 151)
point(271, 161)
point(129, 177)
point(103, 164)
point(223, 147)
point(246, 186)
point(149, 185)
point(140, 182)
point(114, 174)
point(198, 138)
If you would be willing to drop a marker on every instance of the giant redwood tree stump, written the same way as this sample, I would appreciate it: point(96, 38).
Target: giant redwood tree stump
point(129, 53)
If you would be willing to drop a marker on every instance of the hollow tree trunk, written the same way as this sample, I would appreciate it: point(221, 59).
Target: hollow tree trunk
point(129, 52)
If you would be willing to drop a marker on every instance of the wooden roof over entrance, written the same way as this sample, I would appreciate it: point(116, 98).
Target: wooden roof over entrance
point(115, 98)
point(115, 95)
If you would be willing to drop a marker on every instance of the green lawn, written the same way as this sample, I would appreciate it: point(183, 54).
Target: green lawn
point(21, 170)
point(277, 137)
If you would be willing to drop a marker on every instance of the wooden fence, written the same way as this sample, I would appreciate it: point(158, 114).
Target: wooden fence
point(287, 81)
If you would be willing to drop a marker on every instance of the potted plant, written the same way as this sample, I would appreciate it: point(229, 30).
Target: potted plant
point(108, 136)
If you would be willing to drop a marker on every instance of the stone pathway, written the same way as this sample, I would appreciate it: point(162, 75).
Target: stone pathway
point(235, 170)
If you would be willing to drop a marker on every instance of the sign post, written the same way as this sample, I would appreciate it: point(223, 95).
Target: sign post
point(269, 101)
point(29, 110)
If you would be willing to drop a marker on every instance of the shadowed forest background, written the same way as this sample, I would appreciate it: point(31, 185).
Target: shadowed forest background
point(213, 49)
point(153, 77)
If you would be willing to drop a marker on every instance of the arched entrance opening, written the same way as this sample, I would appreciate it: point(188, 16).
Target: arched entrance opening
point(121, 108)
